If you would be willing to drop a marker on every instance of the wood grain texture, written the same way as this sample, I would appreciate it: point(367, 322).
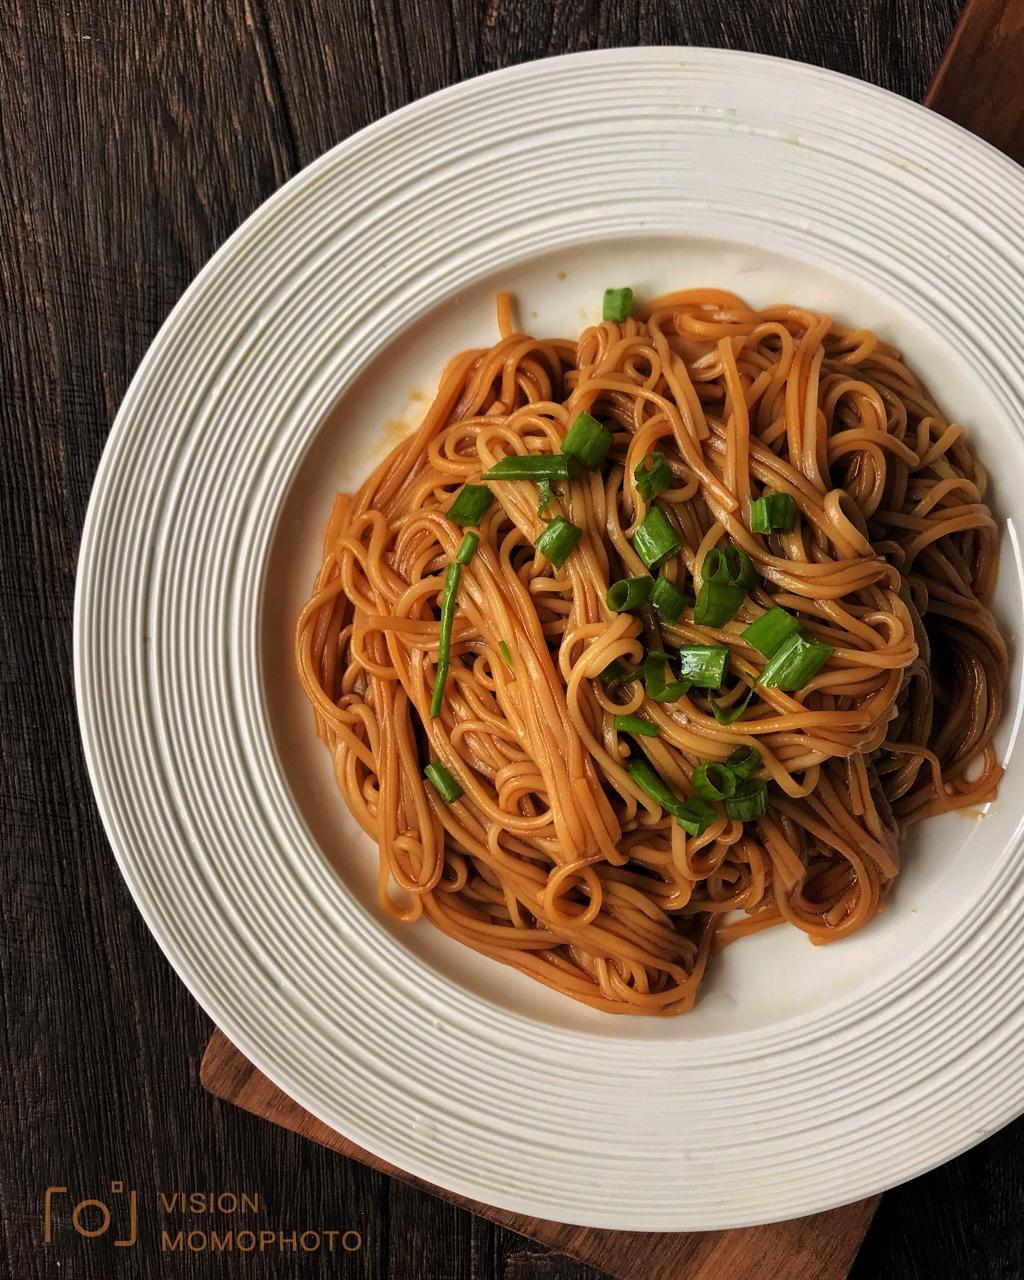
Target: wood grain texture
point(821, 1247)
point(978, 82)
point(134, 137)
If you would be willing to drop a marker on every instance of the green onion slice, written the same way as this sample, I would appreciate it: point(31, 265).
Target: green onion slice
point(717, 603)
point(749, 800)
point(773, 513)
point(794, 663)
point(633, 724)
point(658, 688)
point(744, 762)
point(655, 540)
point(533, 466)
point(588, 441)
point(703, 665)
point(741, 567)
point(617, 672)
point(730, 565)
point(617, 305)
point(695, 816)
point(668, 599)
point(647, 780)
point(771, 631)
point(729, 715)
point(728, 574)
point(558, 539)
point(447, 787)
point(467, 548)
point(506, 654)
point(546, 494)
point(652, 476)
point(714, 568)
point(444, 647)
point(628, 593)
point(713, 781)
point(471, 504)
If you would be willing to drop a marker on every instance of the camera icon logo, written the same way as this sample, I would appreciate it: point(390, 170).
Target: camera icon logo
point(93, 1218)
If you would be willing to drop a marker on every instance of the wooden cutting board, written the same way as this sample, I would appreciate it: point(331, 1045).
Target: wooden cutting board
point(821, 1247)
point(977, 84)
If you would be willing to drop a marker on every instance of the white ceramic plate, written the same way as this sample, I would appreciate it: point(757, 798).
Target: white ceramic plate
point(806, 1077)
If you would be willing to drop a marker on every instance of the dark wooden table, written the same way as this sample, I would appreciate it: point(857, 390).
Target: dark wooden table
point(136, 134)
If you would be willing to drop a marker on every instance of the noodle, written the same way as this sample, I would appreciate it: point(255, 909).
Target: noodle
point(553, 859)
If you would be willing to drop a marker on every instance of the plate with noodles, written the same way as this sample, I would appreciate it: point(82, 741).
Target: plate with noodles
point(546, 639)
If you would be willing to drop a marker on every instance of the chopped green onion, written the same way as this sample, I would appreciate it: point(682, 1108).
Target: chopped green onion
point(715, 569)
point(467, 548)
point(546, 494)
point(506, 654)
point(794, 663)
point(696, 816)
point(652, 476)
point(533, 466)
point(647, 780)
point(618, 303)
point(717, 603)
point(558, 539)
point(703, 665)
point(470, 504)
point(729, 715)
point(745, 575)
point(727, 577)
point(628, 593)
point(617, 672)
point(730, 565)
point(741, 568)
point(774, 513)
point(744, 762)
point(447, 787)
point(633, 724)
point(749, 800)
point(444, 646)
point(668, 599)
point(655, 540)
point(588, 441)
point(658, 689)
point(713, 781)
point(771, 631)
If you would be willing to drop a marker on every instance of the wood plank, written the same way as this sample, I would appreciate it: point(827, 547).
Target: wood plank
point(820, 1247)
point(135, 139)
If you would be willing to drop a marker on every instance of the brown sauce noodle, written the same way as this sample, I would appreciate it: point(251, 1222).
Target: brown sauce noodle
point(554, 860)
